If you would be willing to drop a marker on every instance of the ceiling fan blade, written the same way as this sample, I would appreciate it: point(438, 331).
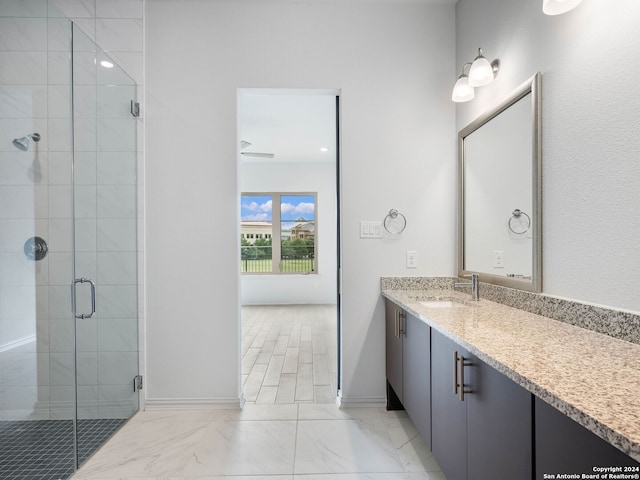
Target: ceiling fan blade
point(258, 154)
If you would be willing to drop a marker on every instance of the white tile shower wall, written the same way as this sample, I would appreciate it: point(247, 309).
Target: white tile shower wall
point(76, 9)
point(119, 9)
point(35, 195)
point(23, 34)
point(19, 101)
point(23, 68)
point(23, 208)
point(119, 34)
point(22, 8)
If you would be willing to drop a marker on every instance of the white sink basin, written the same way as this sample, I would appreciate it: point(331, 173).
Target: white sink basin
point(442, 304)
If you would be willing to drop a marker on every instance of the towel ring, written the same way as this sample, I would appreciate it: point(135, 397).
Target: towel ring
point(517, 213)
point(389, 222)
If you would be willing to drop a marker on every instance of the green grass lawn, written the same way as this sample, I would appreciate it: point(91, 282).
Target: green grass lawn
point(287, 265)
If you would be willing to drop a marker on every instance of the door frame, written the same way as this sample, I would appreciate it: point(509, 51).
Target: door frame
point(337, 93)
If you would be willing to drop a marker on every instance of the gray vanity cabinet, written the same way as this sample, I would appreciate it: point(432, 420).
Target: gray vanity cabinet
point(408, 365)
point(564, 446)
point(417, 375)
point(481, 420)
point(448, 413)
point(394, 344)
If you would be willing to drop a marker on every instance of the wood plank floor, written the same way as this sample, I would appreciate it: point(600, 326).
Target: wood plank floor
point(289, 353)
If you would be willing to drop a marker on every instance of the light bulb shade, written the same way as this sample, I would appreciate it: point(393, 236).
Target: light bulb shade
point(462, 91)
point(481, 72)
point(556, 7)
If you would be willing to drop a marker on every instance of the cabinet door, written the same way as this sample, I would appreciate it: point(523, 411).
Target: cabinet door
point(448, 413)
point(393, 348)
point(499, 425)
point(416, 380)
point(564, 446)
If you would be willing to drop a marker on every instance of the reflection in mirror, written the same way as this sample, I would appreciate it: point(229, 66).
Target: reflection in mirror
point(499, 220)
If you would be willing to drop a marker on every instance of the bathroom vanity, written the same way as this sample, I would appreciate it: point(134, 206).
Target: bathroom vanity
point(501, 392)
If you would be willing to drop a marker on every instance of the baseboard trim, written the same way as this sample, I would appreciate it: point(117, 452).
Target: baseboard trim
point(151, 404)
point(356, 401)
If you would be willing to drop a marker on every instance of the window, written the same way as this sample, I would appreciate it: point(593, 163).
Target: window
point(293, 225)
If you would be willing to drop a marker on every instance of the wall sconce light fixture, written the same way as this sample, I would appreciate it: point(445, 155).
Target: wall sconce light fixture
point(481, 72)
point(556, 7)
point(462, 91)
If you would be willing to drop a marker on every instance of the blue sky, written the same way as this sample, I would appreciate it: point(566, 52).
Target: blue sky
point(259, 207)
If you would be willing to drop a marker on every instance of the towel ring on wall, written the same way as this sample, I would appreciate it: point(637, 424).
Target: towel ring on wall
point(392, 227)
point(517, 213)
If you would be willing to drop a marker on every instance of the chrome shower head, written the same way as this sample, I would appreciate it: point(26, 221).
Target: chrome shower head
point(22, 143)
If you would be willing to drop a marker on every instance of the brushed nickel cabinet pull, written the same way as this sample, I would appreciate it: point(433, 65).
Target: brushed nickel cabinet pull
point(396, 325)
point(455, 372)
point(462, 392)
point(463, 363)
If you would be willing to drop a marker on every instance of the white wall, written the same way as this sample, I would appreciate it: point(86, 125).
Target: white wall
point(590, 116)
point(394, 64)
point(299, 177)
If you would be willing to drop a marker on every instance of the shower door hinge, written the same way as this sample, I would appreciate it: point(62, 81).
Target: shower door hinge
point(137, 383)
point(135, 108)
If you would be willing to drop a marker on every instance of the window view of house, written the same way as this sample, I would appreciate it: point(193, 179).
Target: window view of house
point(294, 224)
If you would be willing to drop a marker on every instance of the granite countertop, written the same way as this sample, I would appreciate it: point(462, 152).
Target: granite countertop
point(591, 377)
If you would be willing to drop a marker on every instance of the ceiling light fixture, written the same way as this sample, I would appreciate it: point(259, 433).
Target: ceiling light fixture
point(106, 64)
point(481, 72)
point(462, 91)
point(557, 7)
point(244, 144)
point(324, 149)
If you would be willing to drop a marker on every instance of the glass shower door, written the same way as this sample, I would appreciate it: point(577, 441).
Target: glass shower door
point(105, 241)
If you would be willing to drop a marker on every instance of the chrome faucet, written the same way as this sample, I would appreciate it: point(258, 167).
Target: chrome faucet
point(474, 284)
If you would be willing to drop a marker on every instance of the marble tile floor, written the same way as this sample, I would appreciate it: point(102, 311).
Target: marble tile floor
point(265, 442)
point(289, 354)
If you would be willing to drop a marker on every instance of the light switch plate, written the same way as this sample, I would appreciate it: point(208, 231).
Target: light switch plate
point(370, 229)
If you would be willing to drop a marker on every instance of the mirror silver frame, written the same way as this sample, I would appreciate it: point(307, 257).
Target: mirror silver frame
point(533, 86)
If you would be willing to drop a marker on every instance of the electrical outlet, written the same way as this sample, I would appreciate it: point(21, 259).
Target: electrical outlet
point(498, 259)
point(412, 259)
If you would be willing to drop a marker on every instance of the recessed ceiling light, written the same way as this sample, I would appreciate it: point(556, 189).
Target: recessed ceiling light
point(106, 64)
point(324, 149)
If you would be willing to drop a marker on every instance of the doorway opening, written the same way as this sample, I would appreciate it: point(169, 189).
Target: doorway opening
point(288, 154)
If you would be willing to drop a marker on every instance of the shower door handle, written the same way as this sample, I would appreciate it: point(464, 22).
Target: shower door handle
point(93, 298)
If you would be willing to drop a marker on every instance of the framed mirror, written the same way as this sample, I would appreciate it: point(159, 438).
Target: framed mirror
point(499, 203)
